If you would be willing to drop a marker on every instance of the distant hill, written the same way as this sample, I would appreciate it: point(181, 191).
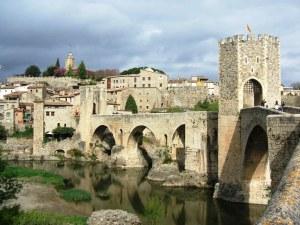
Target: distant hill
point(137, 70)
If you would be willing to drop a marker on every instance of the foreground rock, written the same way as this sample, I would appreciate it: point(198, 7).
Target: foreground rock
point(113, 217)
point(169, 176)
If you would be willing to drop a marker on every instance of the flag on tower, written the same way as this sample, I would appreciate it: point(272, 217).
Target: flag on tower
point(248, 28)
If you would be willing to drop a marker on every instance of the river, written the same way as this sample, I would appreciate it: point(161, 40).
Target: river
point(130, 191)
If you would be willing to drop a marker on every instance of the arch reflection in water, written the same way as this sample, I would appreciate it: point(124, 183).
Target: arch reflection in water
point(129, 190)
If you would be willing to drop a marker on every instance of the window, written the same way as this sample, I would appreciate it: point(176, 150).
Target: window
point(58, 124)
point(160, 84)
point(143, 85)
point(149, 85)
point(246, 60)
point(257, 59)
point(141, 100)
point(135, 79)
point(47, 113)
point(143, 78)
point(65, 125)
point(135, 85)
point(52, 113)
point(147, 107)
point(149, 78)
point(36, 90)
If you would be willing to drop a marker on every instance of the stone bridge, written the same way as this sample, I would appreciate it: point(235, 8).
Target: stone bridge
point(189, 137)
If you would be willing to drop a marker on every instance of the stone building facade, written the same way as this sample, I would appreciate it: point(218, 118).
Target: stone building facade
point(147, 78)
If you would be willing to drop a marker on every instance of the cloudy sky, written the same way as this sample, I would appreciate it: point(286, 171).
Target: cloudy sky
point(177, 36)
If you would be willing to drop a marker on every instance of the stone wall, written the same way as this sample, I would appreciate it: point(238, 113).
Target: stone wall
point(52, 81)
point(285, 203)
point(283, 137)
point(187, 97)
point(18, 145)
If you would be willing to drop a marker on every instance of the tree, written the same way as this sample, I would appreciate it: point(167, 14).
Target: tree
point(50, 71)
point(59, 72)
point(70, 72)
point(81, 71)
point(32, 71)
point(131, 105)
point(57, 64)
point(63, 132)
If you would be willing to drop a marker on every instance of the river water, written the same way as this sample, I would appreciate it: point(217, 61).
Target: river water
point(130, 191)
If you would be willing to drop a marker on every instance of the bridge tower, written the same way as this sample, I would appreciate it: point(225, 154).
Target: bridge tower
point(249, 68)
point(92, 102)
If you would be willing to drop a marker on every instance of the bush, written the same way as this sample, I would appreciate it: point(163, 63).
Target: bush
point(164, 154)
point(75, 153)
point(27, 133)
point(75, 195)
point(43, 218)
point(131, 105)
point(207, 106)
point(63, 132)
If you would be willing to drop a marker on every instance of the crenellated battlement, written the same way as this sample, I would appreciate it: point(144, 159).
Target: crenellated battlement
point(250, 37)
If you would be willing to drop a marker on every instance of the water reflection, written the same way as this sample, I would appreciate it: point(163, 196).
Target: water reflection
point(128, 190)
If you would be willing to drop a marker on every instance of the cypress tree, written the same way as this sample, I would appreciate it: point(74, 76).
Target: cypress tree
point(81, 71)
point(57, 64)
point(131, 105)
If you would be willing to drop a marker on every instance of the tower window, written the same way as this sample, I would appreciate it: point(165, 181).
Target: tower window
point(257, 59)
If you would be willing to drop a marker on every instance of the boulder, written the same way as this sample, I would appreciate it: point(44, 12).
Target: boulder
point(113, 217)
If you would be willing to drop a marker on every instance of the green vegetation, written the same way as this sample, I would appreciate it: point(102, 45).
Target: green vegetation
point(32, 71)
point(165, 155)
point(75, 195)
point(9, 186)
point(70, 72)
point(82, 73)
point(27, 133)
point(61, 133)
point(75, 153)
point(137, 70)
point(131, 105)
point(50, 71)
point(207, 106)
point(153, 211)
point(39, 176)
point(175, 109)
point(44, 218)
point(57, 64)
point(3, 133)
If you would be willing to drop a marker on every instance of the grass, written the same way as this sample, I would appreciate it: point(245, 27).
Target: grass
point(75, 195)
point(39, 176)
point(43, 218)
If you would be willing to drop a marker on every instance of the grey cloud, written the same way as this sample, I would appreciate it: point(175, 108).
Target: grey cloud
point(179, 37)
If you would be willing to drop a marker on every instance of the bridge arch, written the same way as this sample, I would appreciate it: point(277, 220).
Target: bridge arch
point(104, 139)
point(252, 93)
point(141, 145)
point(178, 146)
point(255, 163)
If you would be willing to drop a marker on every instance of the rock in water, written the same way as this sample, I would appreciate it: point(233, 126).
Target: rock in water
point(113, 217)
